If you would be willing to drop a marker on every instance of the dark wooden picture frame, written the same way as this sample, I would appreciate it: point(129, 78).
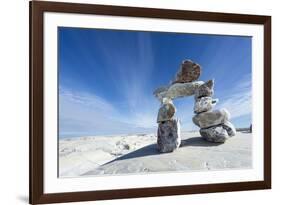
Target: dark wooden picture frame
point(37, 9)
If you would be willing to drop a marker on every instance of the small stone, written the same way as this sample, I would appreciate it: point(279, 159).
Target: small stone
point(127, 146)
point(204, 104)
point(168, 136)
point(177, 90)
point(205, 90)
point(166, 101)
point(211, 118)
point(166, 112)
point(188, 72)
point(214, 134)
point(229, 127)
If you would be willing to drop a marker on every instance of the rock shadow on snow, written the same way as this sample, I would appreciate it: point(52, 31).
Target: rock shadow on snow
point(198, 142)
point(142, 152)
point(152, 149)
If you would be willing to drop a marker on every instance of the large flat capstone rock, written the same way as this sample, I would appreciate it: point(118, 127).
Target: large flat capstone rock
point(177, 90)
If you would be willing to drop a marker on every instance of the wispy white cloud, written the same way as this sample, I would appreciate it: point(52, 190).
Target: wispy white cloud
point(81, 113)
point(132, 72)
point(84, 99)
point(239, 99)
point(131, 77)
point(128, 69)
point(89, 112)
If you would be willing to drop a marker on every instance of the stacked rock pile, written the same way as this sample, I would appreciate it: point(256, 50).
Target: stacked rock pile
point(184, 84)
point(214, 125)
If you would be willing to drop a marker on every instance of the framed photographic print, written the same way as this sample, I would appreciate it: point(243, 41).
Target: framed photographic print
point(139, 102)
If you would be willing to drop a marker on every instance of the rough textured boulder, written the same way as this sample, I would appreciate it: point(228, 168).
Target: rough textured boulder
point(166, 112)
point(188, 72)
point(205, 90)
point(168, 135)
point(211, 118)
point(177, 90)
point(229, 127)
point(204, 104)
point(214, 134)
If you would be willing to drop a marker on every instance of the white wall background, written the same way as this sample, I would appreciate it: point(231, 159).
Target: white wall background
point(14, 101)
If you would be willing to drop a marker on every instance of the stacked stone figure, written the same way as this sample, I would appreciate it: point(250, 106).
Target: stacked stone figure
point(214, 124)
point(168, 135)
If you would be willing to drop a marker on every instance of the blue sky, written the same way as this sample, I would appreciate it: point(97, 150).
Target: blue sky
point(107, 77)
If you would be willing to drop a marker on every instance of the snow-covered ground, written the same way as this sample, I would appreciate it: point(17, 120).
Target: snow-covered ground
point(130, 154)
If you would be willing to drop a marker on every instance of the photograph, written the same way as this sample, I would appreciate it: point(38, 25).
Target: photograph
point(129, 102)
point(147, 102)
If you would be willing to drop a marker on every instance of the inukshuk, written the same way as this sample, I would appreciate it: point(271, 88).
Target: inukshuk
point(186, 84)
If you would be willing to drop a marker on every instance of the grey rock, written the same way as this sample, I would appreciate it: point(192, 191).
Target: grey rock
point(214, 134)
point(166, 112)
point(166, 101)
point(188, 72)
point(204, 104)
point(168, 135)
point(205, 90)
point(127, 146)
point(177, 90)
point(160, 90)
point(229, 127)
point(211, 118)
